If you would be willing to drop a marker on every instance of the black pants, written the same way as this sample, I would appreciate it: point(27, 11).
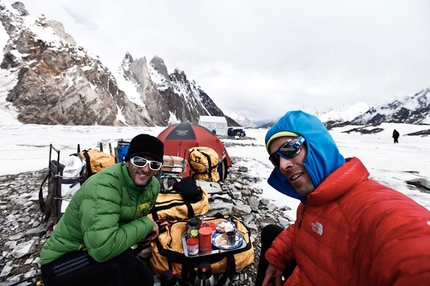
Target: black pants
point(268, 235)
point(79, 268)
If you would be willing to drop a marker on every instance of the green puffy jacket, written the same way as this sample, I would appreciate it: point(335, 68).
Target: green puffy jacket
point(106, 216)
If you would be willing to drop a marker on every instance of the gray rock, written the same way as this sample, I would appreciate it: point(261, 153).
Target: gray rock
point(24, 248)
point(254, 203)
point(236, 195)
point(6, 269)
point(240, 209)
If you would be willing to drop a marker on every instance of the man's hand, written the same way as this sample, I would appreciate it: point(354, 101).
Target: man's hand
point(153, 234)
point(273, 276)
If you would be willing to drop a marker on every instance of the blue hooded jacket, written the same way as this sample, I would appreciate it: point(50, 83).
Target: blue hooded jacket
point(322, 156)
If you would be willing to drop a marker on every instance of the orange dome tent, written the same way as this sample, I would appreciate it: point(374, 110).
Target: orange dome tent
point(179, 138)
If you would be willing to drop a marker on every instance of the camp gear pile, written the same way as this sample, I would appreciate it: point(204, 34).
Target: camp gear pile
point(184, 201)
point(65, 176)
point(173, 170)
point(176, 211)
point(96, 160)
point(63, 179)
point(203, 164)
point(180, 200)
point(168, 251)
point(179, 138)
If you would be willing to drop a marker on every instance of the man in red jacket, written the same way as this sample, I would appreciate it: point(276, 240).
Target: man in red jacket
point(350, 230)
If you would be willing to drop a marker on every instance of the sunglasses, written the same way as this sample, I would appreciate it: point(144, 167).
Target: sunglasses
point(142, 162)
point(288, 150)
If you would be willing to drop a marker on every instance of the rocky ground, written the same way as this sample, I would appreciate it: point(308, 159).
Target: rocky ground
point(23, 233)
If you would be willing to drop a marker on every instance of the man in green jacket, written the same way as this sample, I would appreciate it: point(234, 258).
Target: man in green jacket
point(91, 244)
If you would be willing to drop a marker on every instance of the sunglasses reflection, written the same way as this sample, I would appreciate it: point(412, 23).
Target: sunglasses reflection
point(288, 150)
point(142, 162)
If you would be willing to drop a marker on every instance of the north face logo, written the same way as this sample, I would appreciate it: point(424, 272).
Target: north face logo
point(317, 227)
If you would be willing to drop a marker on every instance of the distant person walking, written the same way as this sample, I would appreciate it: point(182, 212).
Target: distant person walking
point(396, 135)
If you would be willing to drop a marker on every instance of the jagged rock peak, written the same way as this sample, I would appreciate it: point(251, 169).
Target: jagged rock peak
point(179, 75)
point(158, 64)
point(20, 7)
point(137, 71)
point(60, 32)
point(126, 63)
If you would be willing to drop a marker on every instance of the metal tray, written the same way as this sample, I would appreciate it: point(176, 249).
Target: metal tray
point(214, 249)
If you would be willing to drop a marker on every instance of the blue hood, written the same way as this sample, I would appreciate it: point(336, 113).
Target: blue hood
point(322, 156)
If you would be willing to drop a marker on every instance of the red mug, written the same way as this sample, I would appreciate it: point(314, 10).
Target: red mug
point(212, 225)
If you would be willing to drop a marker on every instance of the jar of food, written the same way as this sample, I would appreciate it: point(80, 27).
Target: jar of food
point(193, 228)
point(192, 246)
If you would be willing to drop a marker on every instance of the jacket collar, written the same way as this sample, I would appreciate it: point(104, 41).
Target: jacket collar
point(341, 181)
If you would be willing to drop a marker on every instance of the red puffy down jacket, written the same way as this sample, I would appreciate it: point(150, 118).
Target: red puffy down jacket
point(355, 231)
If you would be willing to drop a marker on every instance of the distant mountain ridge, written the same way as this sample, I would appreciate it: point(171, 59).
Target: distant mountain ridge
point(413, 109)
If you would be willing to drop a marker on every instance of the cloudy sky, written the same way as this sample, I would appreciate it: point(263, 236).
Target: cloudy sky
point(264, 57)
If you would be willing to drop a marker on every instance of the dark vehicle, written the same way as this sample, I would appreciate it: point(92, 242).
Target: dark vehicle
point(236, 132)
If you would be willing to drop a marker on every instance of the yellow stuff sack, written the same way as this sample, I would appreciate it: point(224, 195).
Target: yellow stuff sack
point(168, 252)
point(203, 163)
point(96, 160)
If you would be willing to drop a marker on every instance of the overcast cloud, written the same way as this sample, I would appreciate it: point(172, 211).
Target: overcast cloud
point(263, 58)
